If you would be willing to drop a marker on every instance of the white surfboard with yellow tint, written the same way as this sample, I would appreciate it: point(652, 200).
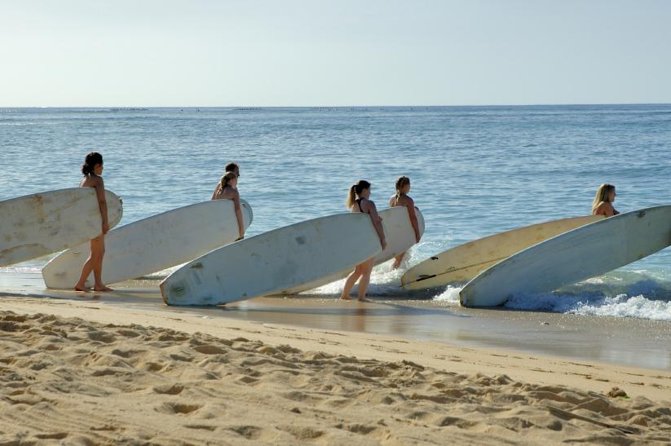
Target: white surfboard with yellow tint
point(39, 224)
point(400, 237)
point(153, 244)
point(463, 262)
point(573, 256)
point(276, 260)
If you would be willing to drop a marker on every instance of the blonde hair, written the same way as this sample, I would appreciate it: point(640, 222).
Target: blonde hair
point(355, 190)
point(602, 195)
point(226, 179)
point(400, 184)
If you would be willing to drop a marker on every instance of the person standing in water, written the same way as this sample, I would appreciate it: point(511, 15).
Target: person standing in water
point(92, 169)
point(603, 201)
point(401, 198)
point(227, 190)
point(358, 200)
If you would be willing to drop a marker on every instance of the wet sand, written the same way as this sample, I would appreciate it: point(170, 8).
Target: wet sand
point(622, 341)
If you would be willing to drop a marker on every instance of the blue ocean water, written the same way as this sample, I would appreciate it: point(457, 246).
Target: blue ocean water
point(475, 171)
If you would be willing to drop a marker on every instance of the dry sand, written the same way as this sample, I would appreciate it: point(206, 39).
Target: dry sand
point(76, 371)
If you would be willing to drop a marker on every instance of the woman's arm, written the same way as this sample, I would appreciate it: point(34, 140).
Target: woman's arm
point(413, 218)
point(377, 222)
point(99, 187)
point(238, 214)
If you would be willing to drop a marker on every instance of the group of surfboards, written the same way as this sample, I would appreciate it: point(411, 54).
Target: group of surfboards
point(534, 259)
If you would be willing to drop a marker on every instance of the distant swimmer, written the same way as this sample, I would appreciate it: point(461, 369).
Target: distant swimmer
point(358, 201)
point(92, 169)
point(227, 189)
point(401, 198)
point(603, 201)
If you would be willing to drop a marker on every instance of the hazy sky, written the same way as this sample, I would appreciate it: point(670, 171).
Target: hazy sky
point(337, 52)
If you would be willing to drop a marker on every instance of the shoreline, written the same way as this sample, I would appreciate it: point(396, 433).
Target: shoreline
point(610, 340)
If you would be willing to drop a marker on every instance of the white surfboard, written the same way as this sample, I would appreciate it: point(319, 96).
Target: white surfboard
point(463, 262)
point(153, 244)
point(279, 259)
point(573, 256)
point(400, 237)
point(39, 224)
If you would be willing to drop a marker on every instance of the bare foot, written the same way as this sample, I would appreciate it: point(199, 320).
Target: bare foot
point(81, 289)
point(363, 299)
point(102, 289)
point(345, 298)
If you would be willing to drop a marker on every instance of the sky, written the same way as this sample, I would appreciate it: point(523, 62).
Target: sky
point(200, 53)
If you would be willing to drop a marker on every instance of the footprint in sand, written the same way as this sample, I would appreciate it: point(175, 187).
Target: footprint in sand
point(178, 408)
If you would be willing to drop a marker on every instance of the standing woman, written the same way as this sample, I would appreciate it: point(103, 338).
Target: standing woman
point(227, 190)
point(92, 170)
point(358, 201)
point(401, 198)
point(603, 201)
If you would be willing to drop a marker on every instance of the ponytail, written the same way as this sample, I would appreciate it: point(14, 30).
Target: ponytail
point(226, 179)
point(355, 190)
point(400, 183)
point(351, 197)
point(90, 162)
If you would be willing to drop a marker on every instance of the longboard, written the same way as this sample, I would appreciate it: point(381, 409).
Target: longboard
point(400, 237)
point(153, 244)
point(279, 259)
point(573, 256)
point(461, 263)
point(43, 223)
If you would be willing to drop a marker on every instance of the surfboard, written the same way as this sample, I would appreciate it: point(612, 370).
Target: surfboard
point(573, 256)
point(153, 244)
point(280, 259)
point(461, 263)
point(43, 223)
point(400, 237)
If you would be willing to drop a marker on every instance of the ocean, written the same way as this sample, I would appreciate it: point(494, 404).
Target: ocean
point(475, 171)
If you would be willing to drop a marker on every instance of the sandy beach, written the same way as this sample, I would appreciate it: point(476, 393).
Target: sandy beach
point(84, 369)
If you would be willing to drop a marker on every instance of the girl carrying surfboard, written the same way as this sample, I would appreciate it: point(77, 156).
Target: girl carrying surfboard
point(92, 169)
point(228, 190)
point(358, 201)
point(401, 198)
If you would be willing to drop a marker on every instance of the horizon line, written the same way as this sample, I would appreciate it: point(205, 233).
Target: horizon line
point(130, 107)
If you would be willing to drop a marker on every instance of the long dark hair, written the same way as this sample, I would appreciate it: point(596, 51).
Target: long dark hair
point(90, 162)
point(355, 190)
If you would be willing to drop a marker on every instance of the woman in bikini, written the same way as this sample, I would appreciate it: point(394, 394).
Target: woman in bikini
point(358, 201)
point(401, 198)
point(92, 169)
point(227, 190)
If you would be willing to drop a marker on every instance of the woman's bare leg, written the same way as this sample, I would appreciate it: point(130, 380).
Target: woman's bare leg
point(86, 269)
point(397, 261)
point(97, 254)
point(94, 264)
point(349, 283)
point(367, 269)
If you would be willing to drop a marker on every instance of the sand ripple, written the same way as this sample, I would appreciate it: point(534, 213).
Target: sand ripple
point(71, 381)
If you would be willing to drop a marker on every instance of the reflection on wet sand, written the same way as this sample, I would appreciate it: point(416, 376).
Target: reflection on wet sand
point(636, 342)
